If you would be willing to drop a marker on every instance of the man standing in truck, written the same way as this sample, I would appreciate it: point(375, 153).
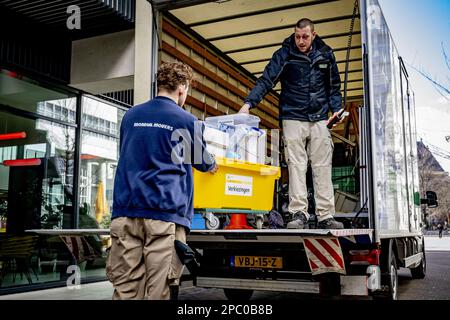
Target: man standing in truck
point(310, 88)
point(153, 189)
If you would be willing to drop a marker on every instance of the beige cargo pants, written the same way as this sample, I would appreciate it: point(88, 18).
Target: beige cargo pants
point(309, 140)
point(142, 262)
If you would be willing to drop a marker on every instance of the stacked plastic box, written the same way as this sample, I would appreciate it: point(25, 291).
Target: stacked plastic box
point(344, 179)
point(236, 136)
point(243, 182)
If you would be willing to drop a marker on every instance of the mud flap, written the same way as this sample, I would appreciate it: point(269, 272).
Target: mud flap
point(324, 255)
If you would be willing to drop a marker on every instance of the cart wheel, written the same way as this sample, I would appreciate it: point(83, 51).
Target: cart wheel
point(212, 222)
point(259, 223)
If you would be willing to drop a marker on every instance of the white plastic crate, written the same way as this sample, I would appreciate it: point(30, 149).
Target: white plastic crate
point(236, 136)
point(215, 136)
point(234, 120)
point(217, 151)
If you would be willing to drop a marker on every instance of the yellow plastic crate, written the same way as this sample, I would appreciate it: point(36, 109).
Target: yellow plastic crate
point(236, 185)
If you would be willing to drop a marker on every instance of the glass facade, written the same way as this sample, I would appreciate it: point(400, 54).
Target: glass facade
point(42, 206)
point(36, 174)
point(99, 157)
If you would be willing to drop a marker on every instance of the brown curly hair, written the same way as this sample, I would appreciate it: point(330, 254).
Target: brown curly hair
point(172, 74)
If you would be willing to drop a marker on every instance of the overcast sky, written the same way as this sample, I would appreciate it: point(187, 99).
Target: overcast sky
point(421, 28)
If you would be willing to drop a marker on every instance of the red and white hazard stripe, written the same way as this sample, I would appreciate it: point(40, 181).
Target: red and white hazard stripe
point(324, 255)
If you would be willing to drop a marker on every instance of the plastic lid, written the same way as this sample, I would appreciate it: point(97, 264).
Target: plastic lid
point(235, 119)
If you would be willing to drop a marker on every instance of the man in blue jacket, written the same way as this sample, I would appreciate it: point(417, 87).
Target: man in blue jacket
point(310, 88)
point(160, 143)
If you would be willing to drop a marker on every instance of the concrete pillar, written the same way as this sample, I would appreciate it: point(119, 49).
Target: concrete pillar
point(104, 63)
point(143, 52)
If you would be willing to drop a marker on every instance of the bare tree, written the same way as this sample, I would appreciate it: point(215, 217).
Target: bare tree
point(433, 178)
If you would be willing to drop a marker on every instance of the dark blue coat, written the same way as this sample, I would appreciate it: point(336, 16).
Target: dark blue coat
point(154, 175)
point(310, 84)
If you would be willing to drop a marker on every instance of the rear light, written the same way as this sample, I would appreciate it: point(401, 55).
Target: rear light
point(364, 257)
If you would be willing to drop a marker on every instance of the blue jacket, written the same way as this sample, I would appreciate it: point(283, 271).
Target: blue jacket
point(310, 85)
point(154, 175)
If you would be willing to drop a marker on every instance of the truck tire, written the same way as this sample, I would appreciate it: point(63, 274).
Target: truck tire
point(238, 294)
point(330, 285)
point(419, 272)
point(389, 279)
point(393, 277)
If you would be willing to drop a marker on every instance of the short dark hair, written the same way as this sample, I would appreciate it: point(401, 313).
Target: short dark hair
point(172, 74)
point(305, 22)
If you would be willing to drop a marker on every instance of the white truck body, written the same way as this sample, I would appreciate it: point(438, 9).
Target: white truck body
point(388, 177)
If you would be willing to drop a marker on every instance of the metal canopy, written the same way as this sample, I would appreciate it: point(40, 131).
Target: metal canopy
point(173, 4)
point(97, 16)
point(250, 31)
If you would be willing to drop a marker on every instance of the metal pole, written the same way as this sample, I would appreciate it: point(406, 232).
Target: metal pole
point(76, 164)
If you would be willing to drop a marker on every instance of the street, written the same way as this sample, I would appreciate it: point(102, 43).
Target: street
point(435, 286)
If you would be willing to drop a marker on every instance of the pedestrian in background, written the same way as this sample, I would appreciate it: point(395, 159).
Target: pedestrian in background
point(441, 229)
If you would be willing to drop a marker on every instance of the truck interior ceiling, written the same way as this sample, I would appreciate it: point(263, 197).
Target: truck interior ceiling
point(229, 43)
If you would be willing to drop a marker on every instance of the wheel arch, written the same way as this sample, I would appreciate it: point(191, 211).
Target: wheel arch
point(389, 247)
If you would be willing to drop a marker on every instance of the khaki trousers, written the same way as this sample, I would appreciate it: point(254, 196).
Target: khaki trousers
point(309, 140)
point(142, 262)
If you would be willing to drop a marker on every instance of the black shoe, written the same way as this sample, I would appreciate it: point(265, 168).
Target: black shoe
point(330, 224)
point(299, 221)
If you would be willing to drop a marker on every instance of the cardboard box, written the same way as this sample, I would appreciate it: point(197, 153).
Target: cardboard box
point(345, 202)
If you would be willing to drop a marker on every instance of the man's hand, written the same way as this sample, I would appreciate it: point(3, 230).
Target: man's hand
point(214, 170)
point(335, 120)
point(245, 108)
point(337, 115)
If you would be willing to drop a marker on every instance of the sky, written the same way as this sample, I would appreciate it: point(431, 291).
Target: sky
point(421, 32)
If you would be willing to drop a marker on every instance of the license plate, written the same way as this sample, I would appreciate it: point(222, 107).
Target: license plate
point(257, 262)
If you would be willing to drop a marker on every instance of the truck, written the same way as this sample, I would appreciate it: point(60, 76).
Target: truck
point(380, 203)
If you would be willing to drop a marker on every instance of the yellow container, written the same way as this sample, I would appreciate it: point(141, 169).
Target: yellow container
point(236, 185)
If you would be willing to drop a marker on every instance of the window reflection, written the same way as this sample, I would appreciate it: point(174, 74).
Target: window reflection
point(36, 194)
point(37, 162)
point(26, 95)
point(63, 109)
point(99, 156)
